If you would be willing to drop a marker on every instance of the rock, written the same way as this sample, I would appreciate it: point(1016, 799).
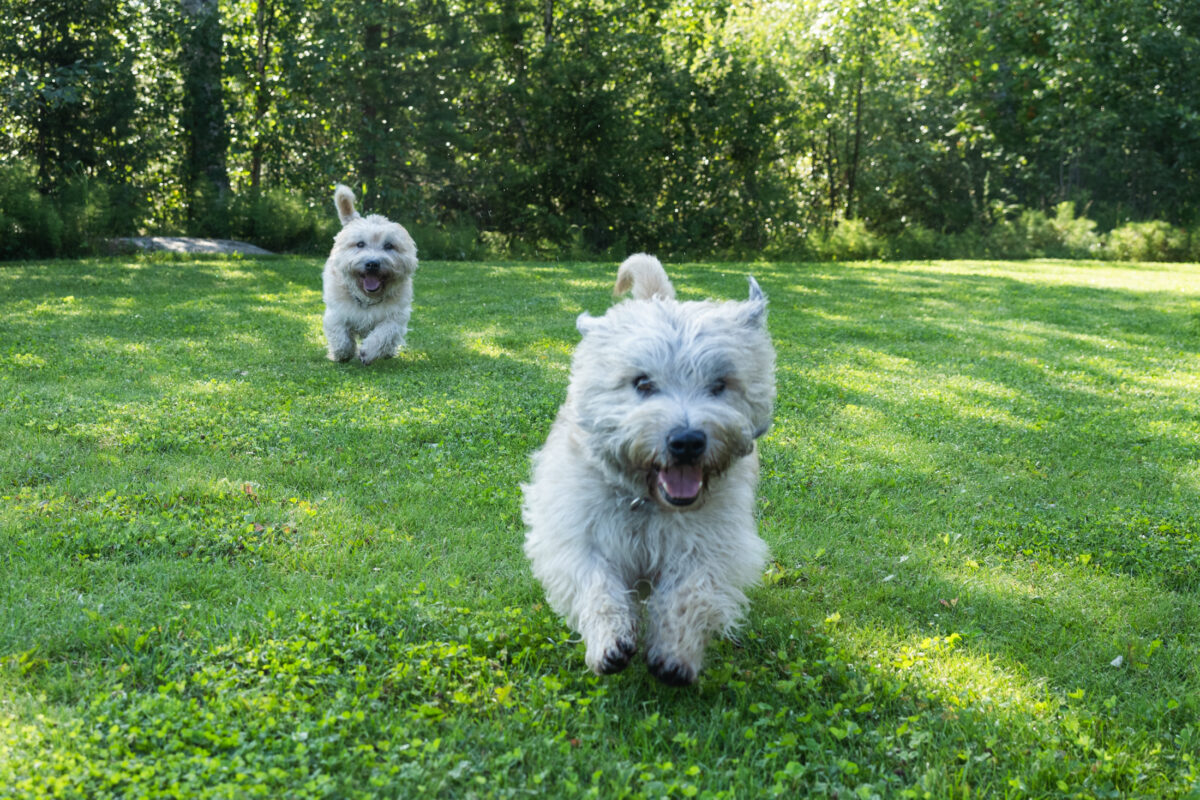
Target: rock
point(186, 244)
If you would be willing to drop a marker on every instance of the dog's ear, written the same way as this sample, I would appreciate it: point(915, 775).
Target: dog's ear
point(586, 323)
point(343, 199)
point(753, 312)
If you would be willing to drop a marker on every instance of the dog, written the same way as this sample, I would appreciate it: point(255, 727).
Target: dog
point(367, 284)
point(643, 494)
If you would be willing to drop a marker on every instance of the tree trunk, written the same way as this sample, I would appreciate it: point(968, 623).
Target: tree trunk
point(831, 173)
point(203, 113)
point(852, 172)
point(369, 143)
point(265, 22)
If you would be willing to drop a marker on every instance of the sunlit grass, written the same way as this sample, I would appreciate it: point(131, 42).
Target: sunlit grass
point(229, 566)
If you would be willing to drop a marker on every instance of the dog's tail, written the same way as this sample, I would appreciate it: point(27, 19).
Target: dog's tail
point(343, 198)
point(645, 276)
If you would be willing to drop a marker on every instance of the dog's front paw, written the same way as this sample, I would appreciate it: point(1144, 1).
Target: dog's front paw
point(371, 355)
point(671, 671)
point(615, 657)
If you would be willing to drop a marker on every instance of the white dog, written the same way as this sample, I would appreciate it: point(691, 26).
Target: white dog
point(367, 284)
point(645, 486)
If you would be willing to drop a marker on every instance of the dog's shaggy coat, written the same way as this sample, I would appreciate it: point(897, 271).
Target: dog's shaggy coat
point(646, 484)
point(367, 284)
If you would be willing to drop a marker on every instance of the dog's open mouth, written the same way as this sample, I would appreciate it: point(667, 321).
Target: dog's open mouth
point(681, 484)
point(371, 284)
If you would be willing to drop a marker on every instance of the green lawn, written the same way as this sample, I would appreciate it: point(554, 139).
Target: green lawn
point(229, 567)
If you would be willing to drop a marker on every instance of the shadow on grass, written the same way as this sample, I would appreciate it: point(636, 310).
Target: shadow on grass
point(996, 432)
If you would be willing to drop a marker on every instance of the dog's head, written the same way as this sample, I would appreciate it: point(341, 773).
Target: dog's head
point(671, 393)
point(372, 253)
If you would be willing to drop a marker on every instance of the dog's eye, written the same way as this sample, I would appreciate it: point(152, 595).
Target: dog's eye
point(717, 387)
point(644, 386)
point(361, 244)
point(389, 246)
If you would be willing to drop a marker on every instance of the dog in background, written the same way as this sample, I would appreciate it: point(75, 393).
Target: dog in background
point(367, 284)
point(641, 501)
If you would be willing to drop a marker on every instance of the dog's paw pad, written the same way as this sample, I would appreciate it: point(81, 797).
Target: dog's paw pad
point(616, 656)
point(672, 672)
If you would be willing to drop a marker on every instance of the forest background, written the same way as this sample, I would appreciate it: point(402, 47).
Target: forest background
point(584, 128)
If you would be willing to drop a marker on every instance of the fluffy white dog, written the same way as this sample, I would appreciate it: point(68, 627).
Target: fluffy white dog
point(644, 491)
point(367, 284)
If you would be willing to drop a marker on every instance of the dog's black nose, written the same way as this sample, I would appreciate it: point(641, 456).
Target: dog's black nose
point(371, 267)
point(686, 444)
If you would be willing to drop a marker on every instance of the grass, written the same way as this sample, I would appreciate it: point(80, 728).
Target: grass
point(230, 568)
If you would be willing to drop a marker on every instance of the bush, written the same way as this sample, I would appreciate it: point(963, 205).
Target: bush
point(1010, 238)
point(847, 240)
point(87, 212)
point(30, 225)
point(1147, 241)
point(913, 242)
point(1076, 237)
point(281, 221)
point(1030, 233)
point(75, 220)
point(449, 242)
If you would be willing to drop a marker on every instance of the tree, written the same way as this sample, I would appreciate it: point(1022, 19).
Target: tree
point(69, 88)
point(202, 116)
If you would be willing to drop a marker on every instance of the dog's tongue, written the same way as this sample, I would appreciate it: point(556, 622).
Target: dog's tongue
point(682, 482)
point(370, 283)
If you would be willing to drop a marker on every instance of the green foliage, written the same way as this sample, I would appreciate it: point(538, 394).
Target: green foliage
point(74, 220)
point(1074, 236)
point(30, 225)
point(916, 241)
point(448, 242)
point(847, 240)
point(594, 128)
point(281, 221)
point(1149, 241)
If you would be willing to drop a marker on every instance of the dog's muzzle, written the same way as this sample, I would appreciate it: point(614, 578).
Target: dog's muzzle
point(372, 278)
point(681, 482)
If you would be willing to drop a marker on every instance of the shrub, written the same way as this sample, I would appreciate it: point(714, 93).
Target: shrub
point(847, 240)
point(1147, 241)
point(912, 242)
point(281, 221)
point(30, 225)
point(1076, 237)
point(1010, 238)
point(450, 242)
point(87, 212)
point(1030, 233)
